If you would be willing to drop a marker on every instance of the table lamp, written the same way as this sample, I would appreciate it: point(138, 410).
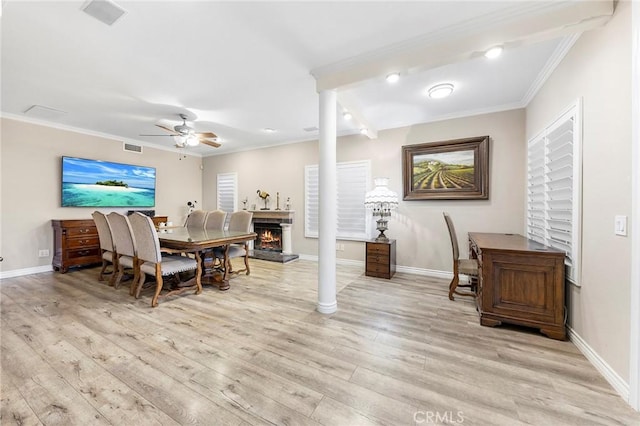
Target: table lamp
point(381, 201)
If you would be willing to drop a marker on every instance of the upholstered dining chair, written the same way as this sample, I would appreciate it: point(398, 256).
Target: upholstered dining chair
point(239, 221)
point(215, 220)
point(151, 261)
point(467, 267)
point(196, 219)
point(107, 248)
point(125, 244)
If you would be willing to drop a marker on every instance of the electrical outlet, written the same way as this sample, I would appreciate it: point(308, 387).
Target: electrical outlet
point(43, 253)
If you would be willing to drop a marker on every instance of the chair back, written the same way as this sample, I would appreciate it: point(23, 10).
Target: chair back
point(196, 219)
point(146, 238)
point(123, 238)
point(104, 231)
point(452, 235)
point(240, 221)
point(215, 220)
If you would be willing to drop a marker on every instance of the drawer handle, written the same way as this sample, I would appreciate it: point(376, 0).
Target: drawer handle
point(84, 231)
point(84, 252)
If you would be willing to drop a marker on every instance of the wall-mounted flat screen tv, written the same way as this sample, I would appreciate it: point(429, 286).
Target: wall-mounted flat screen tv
point(95, 183)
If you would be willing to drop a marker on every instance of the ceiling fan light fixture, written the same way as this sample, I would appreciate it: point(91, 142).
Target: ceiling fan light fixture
point(494, 52)
point(192, 140)
point(393, 77)
point(440, 91)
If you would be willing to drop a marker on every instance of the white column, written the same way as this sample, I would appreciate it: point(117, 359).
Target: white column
point(634, 335)
point(286, 238)
point(327, 205)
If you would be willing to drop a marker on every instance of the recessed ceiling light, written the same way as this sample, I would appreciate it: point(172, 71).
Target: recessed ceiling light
point(441, 90)
point(347, 115)
point(269, 130)
point(393, 78)
point(494, 52)
point(364, 130)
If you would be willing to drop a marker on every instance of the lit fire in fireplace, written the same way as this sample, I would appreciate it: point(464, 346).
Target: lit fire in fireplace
point(269, 239)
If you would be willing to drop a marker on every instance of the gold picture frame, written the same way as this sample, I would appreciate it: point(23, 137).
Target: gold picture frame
point(448, 170)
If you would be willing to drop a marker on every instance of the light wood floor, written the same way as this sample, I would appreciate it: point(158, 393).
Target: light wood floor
point(77, 352)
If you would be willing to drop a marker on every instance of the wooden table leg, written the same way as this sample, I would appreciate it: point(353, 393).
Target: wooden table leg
point(224, 285)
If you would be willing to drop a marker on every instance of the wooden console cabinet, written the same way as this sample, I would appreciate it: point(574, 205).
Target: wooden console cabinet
point(520, 282)
point(75, 243)
point(381, 259)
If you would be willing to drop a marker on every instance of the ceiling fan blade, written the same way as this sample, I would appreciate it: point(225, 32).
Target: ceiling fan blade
point(173, 132)
point(210, 143)
point(207, 135)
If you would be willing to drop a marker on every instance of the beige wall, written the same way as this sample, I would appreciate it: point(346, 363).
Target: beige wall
point(30, 161)
point(598, 69)
point(418, 226)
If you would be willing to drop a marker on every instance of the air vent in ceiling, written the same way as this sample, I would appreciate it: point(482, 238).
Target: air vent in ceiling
point(131, 147)
point(43, 112)
point(104, 11)
point(311, 129)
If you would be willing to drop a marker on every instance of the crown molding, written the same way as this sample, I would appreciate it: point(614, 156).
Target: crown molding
point(87, 132)
point(552, 63)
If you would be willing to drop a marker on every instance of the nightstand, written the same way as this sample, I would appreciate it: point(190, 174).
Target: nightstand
point(381, 259)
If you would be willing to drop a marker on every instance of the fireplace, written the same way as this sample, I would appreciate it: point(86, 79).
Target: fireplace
point(269, 236)
point(273, 235)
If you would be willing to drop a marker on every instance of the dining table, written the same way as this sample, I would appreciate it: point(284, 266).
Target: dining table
point(198, 240)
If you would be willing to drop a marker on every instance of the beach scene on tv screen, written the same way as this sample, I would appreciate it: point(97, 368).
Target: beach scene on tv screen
point(93, 183)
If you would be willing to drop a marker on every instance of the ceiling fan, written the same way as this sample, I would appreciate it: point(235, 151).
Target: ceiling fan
point(184, 135)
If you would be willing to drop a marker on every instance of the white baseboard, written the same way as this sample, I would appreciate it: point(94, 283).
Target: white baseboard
point(25, 271)
point(600, 364)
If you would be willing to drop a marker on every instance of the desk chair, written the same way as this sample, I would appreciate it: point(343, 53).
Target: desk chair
point(107, 248)
point(467, 267)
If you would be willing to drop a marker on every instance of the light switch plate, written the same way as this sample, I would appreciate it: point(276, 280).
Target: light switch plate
point(621, 225)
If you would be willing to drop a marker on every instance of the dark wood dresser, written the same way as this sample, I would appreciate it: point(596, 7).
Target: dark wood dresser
point(75, 243)
point(520, 282)
point(381, 259)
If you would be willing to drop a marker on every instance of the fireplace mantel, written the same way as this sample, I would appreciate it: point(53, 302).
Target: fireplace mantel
point(273, 216)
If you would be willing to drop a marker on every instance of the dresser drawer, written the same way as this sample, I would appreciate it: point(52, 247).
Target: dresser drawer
point(86, 241)
point(378, 258)
point(377, 267)
point(82, 231)
point(83, 252)
point(373, 249)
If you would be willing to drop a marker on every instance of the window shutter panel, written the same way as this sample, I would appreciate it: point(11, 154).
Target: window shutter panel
point(227, 188)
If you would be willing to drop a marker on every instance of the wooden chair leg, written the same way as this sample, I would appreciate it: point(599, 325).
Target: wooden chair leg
point(104, 268)
point(118, 278)
point(154, 301)
point(138, 285)
point(453, 285)
point(246, 263)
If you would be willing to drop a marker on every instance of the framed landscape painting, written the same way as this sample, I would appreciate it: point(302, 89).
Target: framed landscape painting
point(448, 170)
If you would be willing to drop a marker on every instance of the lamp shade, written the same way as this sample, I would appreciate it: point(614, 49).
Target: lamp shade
point(381, 194)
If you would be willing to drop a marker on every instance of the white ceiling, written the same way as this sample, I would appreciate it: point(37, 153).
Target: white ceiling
point(239, 67)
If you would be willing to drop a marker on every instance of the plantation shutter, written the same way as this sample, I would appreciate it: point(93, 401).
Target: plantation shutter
point(227, 189)
point(555, 188)
point(352, 183)
point(311, 205)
